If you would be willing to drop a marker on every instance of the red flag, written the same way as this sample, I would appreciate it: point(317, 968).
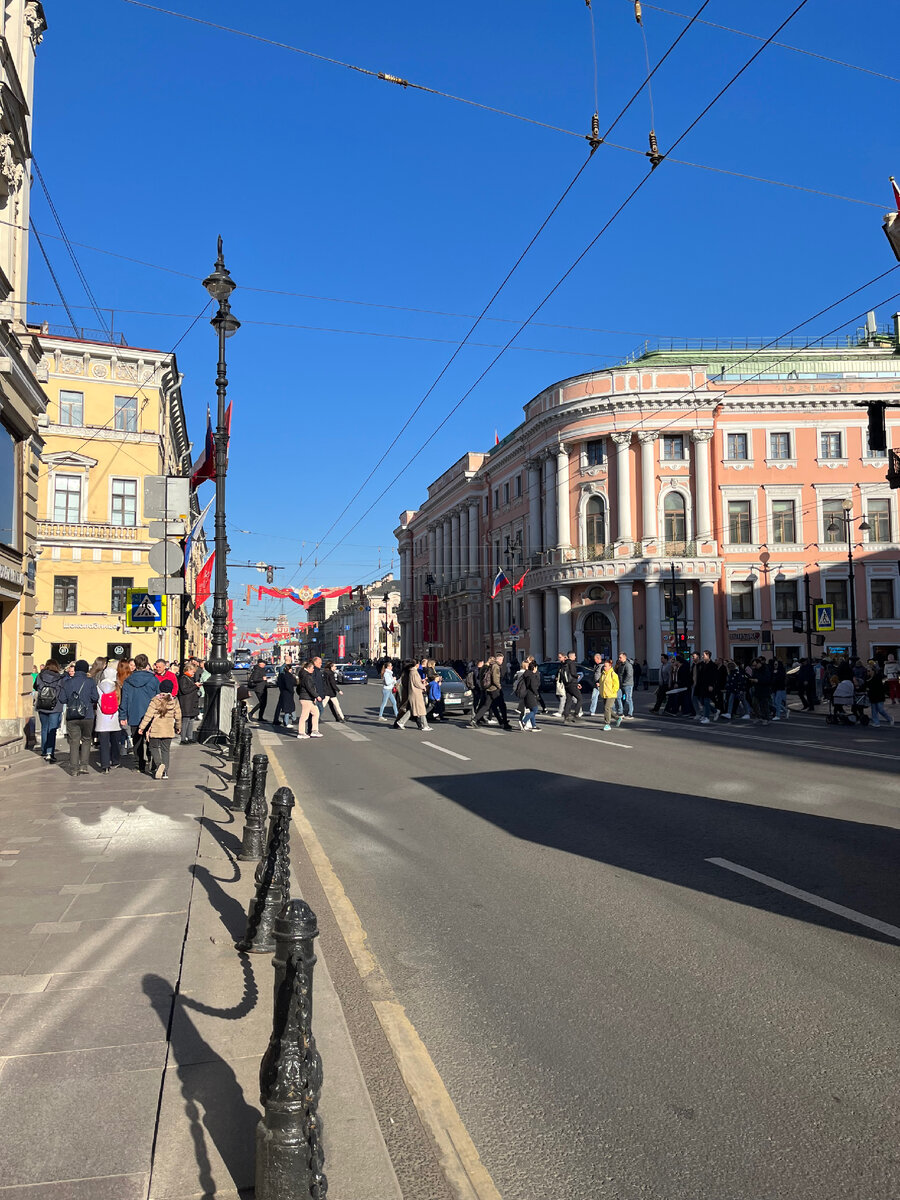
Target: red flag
point(517, 587)
point(896, 192)
point(205, 466)
point(230, 625)
point(202, 590)
point(496, 438)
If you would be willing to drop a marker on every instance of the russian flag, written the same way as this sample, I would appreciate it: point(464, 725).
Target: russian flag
point(205, 466)
point(500, 582)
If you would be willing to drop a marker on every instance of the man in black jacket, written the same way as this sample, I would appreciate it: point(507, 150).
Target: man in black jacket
point(189, 701)
point(257, 684)
point(706, 674)
point(569, 678)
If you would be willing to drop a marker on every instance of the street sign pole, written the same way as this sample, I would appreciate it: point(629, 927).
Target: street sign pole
point(808, 617)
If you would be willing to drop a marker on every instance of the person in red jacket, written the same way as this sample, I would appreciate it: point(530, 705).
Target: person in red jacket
point(161, 671)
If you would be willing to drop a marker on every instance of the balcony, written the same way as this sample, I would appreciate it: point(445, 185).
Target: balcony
point(90, 531)
point(678, 549)
point(589, 553)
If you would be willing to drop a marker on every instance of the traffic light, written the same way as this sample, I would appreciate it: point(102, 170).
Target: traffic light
point(681, 642)
point(270, 574)
point(877, 430)
point(893, 475)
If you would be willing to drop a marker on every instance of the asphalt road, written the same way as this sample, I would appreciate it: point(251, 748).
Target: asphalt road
point(613, 1013)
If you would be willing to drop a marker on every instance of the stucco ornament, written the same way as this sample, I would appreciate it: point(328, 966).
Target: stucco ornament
point(36, 22)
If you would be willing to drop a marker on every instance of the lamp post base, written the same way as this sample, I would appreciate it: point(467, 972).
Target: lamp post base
point(216, 723)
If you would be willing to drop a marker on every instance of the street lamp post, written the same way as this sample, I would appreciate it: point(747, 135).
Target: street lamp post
point(220, 285)
point(849, 521)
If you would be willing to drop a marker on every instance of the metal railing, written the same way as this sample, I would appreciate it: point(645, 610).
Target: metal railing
point(883, 336)
point(679, 549)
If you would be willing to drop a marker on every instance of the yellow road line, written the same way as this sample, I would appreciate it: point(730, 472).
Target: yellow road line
point(462, 1166)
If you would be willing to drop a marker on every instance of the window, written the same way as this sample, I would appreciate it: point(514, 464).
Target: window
point(123, 507)
point(9, 488)
point(870, 453)
point(741, 600)
point(836, 594)
point(593, 452)
point(67, 498)
point(126, 413)
point(674, 518)
point(518, 486)
point(71, 408)
point(786, 600)
point(783, 527)
point(739, 522)
point(831, 445)
point(496, 498)
point(65, 594)
point(673, 446)
point(120, 586)
point(833, 514)
point(680, 598)
point(779, 445)
point(595, 525)
point(879, 520)
point(506, 493)
point(882, 599)
point(736, 446)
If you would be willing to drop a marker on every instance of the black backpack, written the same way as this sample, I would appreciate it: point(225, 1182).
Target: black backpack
point(75, 709)
point(47, 697)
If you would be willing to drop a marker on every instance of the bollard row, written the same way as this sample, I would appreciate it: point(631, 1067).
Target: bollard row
point(255, 812)
point(273, 878)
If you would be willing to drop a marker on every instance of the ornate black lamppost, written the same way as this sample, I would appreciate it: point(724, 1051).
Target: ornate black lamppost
point(220, 285)
point(849, 521)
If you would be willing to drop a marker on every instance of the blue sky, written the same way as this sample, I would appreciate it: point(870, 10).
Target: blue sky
point(155, 134)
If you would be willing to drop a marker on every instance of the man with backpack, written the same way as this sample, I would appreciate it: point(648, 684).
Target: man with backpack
point(569, 678)
point(473, 683)
point(49, 707)
point(79, 696)
point(493, 694)
point(137, 691)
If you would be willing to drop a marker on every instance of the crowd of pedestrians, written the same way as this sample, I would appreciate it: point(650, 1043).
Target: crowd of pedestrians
point(116, 707)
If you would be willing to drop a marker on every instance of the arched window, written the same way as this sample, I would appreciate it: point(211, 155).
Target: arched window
point(594, 525)
point(674, 519)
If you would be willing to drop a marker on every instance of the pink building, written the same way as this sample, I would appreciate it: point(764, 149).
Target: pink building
point(736, 473)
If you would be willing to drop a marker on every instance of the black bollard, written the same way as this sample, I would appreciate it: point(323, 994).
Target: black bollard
point(273, 878)
point(255, 813)
point(245, 771)
point(241, 725)
point(234, 736)
point(289, 1156)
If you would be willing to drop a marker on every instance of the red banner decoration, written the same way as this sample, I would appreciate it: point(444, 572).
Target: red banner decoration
point(342, 645)
point(230, 625)
point(202, 590)
point(430, 618)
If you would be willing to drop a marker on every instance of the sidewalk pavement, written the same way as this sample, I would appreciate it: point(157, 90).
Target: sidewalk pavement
point(130, 1028)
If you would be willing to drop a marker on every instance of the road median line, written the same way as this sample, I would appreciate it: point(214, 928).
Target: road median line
point(460, 1162)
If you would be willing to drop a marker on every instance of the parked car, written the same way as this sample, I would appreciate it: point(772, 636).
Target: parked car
point(350, 673)
point(548, 672)
point(457, 697)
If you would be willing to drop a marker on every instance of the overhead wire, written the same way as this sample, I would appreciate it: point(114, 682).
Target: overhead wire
point(53, 276)
point(635, 190)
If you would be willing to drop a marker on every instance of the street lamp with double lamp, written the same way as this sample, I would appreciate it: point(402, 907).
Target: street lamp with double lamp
point(849, 521)
point(220, 285)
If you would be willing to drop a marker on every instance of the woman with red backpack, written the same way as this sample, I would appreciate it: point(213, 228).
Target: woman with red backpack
point(106, 723)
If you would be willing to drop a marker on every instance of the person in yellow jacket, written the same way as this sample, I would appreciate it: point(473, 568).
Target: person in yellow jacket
point(609, 689)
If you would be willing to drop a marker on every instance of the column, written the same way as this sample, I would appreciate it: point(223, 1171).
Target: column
point(535, 542)
point(652, 620)
point(551, 617)
point(626, 619)
point(564, 617)
point(438, 571)
point(649, 523)
point(623, 486)
point(446, 545)
point(454, 546)
point(549, 506)
point(708, 616)
point(432, 552)
point(474, 556)
point(563, 522)
point(535, 624)
point(703, 527)
point(463, 518)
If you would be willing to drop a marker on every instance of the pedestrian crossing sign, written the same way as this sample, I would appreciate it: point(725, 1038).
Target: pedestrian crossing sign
point(824, 618)
point(144, 610)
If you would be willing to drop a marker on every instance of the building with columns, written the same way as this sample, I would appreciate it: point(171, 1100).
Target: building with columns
point(711, 485)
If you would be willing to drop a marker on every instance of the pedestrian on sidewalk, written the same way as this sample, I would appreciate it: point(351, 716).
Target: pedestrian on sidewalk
point(79, 696)
point(877, 694)
point(189, 702)
point(161, 722)
point(665, 676)
point(388, 687)
point(332, 691)
point(124, 668)
point(106, 724)
point(258, 686)
point(162, 671)
point(530, 684)
point(137, 691)
point(706, 675)
point(473, 683)
point(595, 690)
point(609, 690)
point(493, 694)
point(625, 672)
point(319, 682)
point(892, 677)
point(287, 688)
point(779, 690)
point(569, 676)
point(435, 698)
point(309, 702)
point(49, 706)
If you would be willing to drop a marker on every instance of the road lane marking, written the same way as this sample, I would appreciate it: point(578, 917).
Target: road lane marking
point(463, 1169)
point(756, 737)
point(444, 750)
point(351, 734)
point(850, 914)
point(583, 737)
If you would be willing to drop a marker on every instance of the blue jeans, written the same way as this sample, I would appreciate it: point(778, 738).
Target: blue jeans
point(50, 722)
point(624, 702)
point(528, 718)
point(387, 695)
point(781, 708)
point(878, 710)
point(595, 700)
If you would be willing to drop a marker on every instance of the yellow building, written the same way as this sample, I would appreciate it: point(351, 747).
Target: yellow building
point(114, 416)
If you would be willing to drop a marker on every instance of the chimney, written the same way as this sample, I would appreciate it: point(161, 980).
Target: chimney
point(871, 326)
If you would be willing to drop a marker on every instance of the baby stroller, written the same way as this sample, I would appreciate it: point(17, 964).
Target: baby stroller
point(845, 697)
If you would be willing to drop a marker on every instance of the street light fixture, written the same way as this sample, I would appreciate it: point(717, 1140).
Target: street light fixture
point(849, 521)
point(220, 285)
